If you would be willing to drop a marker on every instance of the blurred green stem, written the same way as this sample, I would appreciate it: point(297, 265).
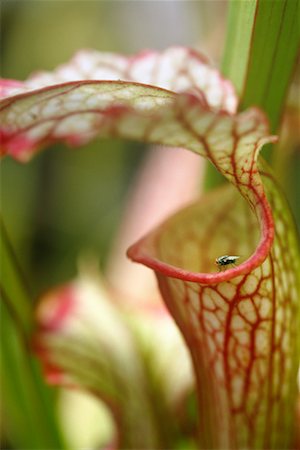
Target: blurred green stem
point(30, 416)
point(261, 49)
point(15, 292)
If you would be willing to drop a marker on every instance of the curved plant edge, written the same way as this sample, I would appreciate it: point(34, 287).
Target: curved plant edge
point(144, 251)
point(190, 106)
point(201, 118)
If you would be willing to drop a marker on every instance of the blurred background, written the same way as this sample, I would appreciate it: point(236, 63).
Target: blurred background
point(66, 201)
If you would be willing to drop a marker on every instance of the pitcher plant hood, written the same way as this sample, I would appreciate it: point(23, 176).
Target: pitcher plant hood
point(241, 324)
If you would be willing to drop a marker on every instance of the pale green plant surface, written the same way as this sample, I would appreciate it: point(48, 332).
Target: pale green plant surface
point(144, 101)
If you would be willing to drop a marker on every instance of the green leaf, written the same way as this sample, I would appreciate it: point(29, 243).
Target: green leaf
point(15, 285)
point(274, 50)
point(238, 41)
point(28, 402)
point(261, 49)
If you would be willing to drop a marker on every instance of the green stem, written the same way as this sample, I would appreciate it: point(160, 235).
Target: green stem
point(31, 423)
point(17, 295)
point(274, 49)
point(29, 403)
point(261, 49)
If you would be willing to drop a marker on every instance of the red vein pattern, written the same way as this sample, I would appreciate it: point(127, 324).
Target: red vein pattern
point(151, 114)
point(241, 324)
point(242, 333)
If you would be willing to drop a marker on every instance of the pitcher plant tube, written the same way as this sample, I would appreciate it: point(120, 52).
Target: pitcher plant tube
point(241, 325)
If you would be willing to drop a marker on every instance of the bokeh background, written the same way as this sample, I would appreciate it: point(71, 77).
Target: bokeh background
point(67, 201)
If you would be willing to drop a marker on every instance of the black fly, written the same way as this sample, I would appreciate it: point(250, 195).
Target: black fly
point(226, 260)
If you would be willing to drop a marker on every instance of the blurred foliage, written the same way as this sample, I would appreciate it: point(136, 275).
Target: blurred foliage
point(67, 200)
point(64, 201)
